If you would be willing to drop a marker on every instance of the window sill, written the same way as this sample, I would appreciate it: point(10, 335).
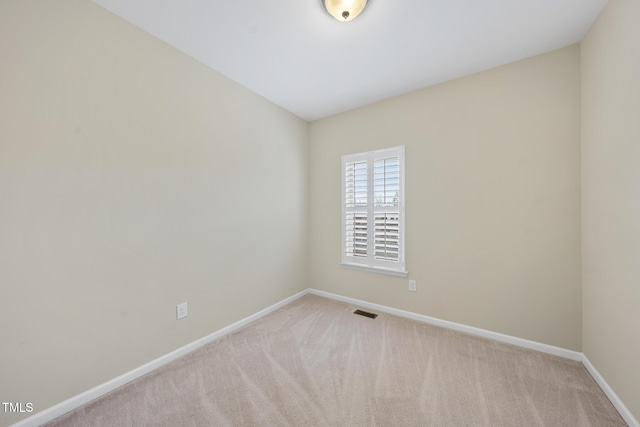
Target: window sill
point(379, 270)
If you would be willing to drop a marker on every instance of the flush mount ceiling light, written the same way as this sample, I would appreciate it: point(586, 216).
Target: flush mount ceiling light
point(344, 10)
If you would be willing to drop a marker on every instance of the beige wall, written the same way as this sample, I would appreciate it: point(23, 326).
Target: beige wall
point(493, 199)
point(132, 178)
point(611, 198)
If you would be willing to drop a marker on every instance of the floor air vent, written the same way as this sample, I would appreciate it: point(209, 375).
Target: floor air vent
point(365, 314)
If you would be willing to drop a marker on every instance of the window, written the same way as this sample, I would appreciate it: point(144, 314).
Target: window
point(373, 211)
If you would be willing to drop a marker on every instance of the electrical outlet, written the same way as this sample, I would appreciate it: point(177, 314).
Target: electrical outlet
point(412, 285)
point(181, 310)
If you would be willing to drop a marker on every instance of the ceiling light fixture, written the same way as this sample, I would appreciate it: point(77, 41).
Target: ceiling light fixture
point(344, 10)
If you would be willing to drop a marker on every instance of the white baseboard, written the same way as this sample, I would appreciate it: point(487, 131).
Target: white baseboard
point(89, 395)
point(520, 342)
point(79, 400)
point(613, 397)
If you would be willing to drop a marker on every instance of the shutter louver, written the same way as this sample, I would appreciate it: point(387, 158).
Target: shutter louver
point(356, 193)
point(387, 209)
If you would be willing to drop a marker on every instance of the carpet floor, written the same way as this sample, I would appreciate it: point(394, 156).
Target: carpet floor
point(315, 363)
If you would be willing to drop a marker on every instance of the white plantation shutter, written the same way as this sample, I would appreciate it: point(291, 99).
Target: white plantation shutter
point(373, 210)
point(356, 208)
point(386, 208)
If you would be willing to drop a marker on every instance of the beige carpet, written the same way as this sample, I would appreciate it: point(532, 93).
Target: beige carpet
point(314, 363)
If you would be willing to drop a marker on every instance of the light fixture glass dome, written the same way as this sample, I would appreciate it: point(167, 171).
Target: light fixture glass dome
point(344, 10)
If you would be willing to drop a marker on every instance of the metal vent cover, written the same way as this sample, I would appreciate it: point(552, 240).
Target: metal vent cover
point(365, 314)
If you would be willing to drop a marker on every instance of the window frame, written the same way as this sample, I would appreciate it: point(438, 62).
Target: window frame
point(369, 262)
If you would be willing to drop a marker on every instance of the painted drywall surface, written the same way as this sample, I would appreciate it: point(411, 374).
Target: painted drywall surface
point(132, 178)
point(492, 199)
point(610, 56)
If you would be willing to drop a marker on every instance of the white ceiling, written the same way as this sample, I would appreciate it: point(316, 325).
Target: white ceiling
point(296, 55)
